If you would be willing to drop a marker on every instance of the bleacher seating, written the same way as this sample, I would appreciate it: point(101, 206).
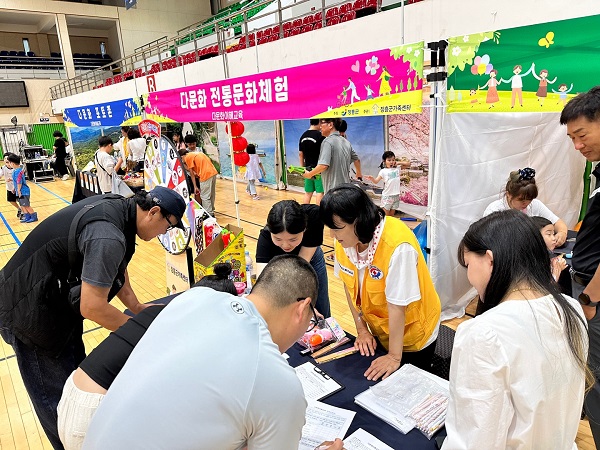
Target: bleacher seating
point(12, 59)
point(293, 27)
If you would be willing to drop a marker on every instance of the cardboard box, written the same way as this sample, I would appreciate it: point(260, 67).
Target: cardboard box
point(216, 252)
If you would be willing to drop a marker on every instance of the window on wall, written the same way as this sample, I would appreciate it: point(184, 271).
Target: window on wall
point(103, 48)
point(26, 45)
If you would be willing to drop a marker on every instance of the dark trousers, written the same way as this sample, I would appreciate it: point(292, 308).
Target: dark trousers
point(318, 263)
point(59, 166)
point(422, 359)
point(45, 376)
point(591, 403)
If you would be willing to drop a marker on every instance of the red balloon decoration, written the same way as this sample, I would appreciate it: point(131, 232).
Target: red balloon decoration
point(241, 158)
point(239, 144)
point(237, 129)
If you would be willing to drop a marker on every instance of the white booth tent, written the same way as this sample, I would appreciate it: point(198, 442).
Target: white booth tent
point(473, 157)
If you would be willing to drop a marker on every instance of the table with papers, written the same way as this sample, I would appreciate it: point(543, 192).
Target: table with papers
point(349, 372)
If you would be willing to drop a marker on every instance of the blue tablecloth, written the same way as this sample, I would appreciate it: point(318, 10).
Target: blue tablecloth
point(349, 371)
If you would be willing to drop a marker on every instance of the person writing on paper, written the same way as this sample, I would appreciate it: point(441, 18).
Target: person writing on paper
point(521, 194)
point(386, 280)
point(222, 385)
point(87, 385)
point(519, 369)
point(296, 229)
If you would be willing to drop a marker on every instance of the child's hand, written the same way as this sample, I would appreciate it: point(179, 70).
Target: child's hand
point(558, 264)
point(369, 177)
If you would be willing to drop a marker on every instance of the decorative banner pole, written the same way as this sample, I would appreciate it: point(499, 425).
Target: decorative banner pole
point(223, 49)
point(239, 157)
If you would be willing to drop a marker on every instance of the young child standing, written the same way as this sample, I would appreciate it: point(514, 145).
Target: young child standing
point(7, 172)
point(254, 171)
point(557, 263)
point(390, 174)
point(22, 190)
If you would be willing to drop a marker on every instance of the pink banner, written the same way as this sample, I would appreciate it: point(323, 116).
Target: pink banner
point(382, 82)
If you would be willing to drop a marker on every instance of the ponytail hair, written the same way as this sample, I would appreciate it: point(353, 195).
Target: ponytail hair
point(521, 184)
point(220, 281)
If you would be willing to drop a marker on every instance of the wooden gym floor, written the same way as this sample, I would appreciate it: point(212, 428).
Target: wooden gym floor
point(19, 427)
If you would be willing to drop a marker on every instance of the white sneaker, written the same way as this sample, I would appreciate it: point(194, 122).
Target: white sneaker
point(65, 177)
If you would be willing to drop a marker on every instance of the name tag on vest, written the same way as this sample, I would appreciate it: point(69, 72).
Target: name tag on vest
point(346, 270)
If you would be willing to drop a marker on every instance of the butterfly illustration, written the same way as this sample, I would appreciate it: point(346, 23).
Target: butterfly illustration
point(547, 41)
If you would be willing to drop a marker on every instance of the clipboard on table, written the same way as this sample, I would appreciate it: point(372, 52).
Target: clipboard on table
point(316, 383)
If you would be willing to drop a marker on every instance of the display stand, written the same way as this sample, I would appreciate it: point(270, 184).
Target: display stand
point(40, 170)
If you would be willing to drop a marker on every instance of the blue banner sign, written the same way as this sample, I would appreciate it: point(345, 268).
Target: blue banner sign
point(102, 114)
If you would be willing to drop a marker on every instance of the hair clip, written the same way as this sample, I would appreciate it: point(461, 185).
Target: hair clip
point(527, 173)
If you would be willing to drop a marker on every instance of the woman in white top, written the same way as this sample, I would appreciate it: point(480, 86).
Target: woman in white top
point(136, 148)
point(518, 370)
point(521, 194)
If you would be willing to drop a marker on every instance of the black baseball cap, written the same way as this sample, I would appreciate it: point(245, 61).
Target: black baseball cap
point(170, 201)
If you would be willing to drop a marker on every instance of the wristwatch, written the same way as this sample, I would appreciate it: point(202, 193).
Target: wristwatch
point(585, 300)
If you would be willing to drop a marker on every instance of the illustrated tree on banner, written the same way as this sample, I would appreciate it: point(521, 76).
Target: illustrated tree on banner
point(379, 83)
point(536, 68)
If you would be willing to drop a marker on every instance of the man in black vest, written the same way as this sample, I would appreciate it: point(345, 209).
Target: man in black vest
point(582, 118)
point(67, 269)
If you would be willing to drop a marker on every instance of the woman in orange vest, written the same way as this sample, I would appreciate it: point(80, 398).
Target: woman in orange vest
point(387, 283)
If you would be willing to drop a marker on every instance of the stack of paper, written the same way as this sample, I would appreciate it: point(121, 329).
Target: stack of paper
point(361, 440)
point(394, 397)
point(324, 423)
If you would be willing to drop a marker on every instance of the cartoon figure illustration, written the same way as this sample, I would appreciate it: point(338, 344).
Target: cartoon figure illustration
point(352, 88)
point(473, 93)
point(343, 97)
point(542, 91)
point(369, 92)
point(492, 92)
point(516, 83)
point(562, 93)
point(384, 87)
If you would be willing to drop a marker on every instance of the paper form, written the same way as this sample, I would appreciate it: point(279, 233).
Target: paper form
point(316, 383)
point(324, 423)
point(361, 440)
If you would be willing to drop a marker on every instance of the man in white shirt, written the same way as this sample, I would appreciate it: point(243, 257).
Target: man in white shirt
point(105, 164)
point(213, 373)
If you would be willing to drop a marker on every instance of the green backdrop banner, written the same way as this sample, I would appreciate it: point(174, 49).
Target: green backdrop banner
point(536, 68)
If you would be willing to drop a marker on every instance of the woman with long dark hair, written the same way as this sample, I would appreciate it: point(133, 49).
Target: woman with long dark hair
point(387, 283)
point(297, 229)
point(518, 370)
